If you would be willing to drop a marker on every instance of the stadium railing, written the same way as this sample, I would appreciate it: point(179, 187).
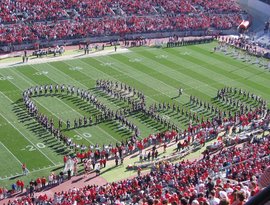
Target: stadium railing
point(261, 198)
point(99, 39)
point(266, 1)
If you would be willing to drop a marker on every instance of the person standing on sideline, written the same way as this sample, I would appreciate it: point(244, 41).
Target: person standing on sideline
point(65, 160)
point(69, 174)
point(24, 169)
point(139, 171)
point(180, 92)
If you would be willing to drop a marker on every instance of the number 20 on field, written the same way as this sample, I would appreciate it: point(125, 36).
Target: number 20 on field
point(32, 148)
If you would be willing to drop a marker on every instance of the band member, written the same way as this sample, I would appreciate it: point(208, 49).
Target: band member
point(180, 91)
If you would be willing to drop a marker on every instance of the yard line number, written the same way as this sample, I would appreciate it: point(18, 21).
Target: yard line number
point(8, 77)
point(80, 137)
point(41, 73)
point(32, 148)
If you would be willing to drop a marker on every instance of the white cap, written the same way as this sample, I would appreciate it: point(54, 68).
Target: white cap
point(195, 202)
point(229, 190)
point(223, 195)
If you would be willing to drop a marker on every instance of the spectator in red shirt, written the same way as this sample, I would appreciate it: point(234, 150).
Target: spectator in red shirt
point(38, 182)
point(65, 159)
point(240, 198)
point(43, 182)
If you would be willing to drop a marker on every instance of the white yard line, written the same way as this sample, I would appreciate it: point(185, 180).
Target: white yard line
point(145, 74)
point(22, 133)
point(94, 78)
point(124, 74)
point(45, 168)
point(15, 159)
point(33, 171)
point(45, 106)
point(5, 178)
point(11, 153)
point(114, 77)
point(29, 82)
point(106, 133)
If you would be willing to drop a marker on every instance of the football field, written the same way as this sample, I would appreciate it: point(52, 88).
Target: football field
point(157, 72)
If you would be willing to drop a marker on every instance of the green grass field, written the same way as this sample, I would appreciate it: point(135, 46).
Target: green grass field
point(158, 73)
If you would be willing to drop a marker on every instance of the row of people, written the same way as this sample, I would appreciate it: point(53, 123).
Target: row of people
point(243, 93)
point(248, 45)
point(234, 103)
point(117, 88)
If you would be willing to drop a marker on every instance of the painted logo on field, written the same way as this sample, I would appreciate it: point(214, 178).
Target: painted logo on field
point(6, 77)
point(76, 68)
point(185, 53)
point(41, 73)
point(135, 60)
point(107, 64)
point(162, 56)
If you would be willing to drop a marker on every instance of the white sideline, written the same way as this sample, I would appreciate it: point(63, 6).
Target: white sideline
point(33, 171)
point(64, 57)
point(14, 158)
point(102, 130)
point(11, 153)
point(26, 80)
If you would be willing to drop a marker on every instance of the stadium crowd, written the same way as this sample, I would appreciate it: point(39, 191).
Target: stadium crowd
point(30, 11)
point(30, 21)
point(228, 177)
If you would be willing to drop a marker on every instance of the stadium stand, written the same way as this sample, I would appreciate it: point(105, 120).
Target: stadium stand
point(185, 182)
point(29, 21)
point(234, 174)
